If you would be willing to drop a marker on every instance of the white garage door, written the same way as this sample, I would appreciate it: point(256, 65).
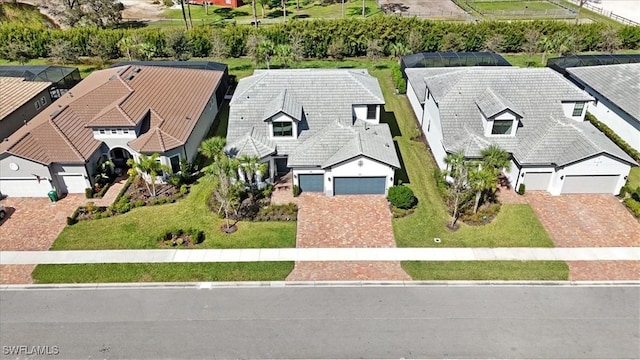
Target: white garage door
point(537, 180)
point(26, 187)
point(72, 183)
point(590, 184)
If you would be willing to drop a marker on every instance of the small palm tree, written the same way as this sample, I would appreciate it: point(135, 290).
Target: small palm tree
point(482, 180)
point(150, 166)
point(213, 148)
point(250, 166)
point(458, 171)
point(496, 159)
point(225, 170)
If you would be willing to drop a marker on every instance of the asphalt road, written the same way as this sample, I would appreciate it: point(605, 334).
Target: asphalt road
point(381, 322)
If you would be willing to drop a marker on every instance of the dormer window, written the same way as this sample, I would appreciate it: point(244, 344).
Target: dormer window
point(577, 108)
point(502, 127)
point(282, 128)
point(372, 112)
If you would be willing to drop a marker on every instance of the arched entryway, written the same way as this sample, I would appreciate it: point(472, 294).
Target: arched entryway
point(119, 157)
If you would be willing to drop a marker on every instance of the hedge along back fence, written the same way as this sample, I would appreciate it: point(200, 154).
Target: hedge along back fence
point(316, 36)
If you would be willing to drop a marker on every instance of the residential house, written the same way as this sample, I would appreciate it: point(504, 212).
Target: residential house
point(118, 114)
point(323, 125)
point(616, 89)
point(535, 114)
point(20, 101)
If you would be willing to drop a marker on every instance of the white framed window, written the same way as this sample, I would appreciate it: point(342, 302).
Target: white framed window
point(114, 131)
point(577, 109)
point(43, 100)
point(371, 112)
point(125, 131)
point(102, 131)
point(37, 104)
point(282, 128)
point(502, 127)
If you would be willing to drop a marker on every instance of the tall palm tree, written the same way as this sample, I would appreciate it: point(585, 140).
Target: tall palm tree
point(150, 166)
point(213, 148)
point(225, 170)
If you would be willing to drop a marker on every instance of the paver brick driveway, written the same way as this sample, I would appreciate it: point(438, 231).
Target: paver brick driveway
point(345, 221)
point(585, 220)
point(32, 224)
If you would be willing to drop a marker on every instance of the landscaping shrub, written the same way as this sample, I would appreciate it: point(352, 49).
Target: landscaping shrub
point(184, 238)
point(613, 137)
point(484, 215)
point(174, 180)
point(296, 190)
point(88, 193)
point(102, 191)
point(623, 192)
point(398, 79)
point(288, 212)
point(184, 189)
point(633, 205)
point(521, 189)
point(441, 183)
point(635, 195)
point(401, 197)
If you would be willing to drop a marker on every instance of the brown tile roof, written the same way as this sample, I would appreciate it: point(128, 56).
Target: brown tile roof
point(171, 98)
point(15, 92)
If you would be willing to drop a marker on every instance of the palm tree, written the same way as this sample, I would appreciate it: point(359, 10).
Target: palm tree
point(251, 166)
point(496, 159)
point(225, 170)
point(184, 15)
point(266, 49)
point(255, 15)
point(213, 148)
point(458, 171)
point(482, 180)
point(399, 49)
point(284, 54)
point(547, 45)
point(148, 165)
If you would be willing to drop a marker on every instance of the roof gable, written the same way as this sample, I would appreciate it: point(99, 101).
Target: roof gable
point(285, 103)
point(492, 104)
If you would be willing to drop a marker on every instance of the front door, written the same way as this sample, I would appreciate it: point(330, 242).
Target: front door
point(119, 156)
point(281, 166)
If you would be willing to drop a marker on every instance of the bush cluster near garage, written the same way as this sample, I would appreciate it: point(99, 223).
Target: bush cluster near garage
point(315, 37)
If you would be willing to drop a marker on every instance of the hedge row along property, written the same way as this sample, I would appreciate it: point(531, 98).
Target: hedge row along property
point(323, 38)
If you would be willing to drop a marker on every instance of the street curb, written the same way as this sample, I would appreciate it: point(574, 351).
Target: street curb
point(314, 284)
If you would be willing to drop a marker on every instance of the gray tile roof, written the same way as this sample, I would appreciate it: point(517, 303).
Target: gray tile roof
point(286, 103)
point(252, 144)
point(323, 95)
point(492, 104)
point(341, 141)
point(545, 135)
point(618, 83)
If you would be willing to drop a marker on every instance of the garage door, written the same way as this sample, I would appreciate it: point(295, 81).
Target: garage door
point(311, 183)
point(72, 183)
point(590, 184)
point(537, 180)
point(27, 187)
point(359, 185)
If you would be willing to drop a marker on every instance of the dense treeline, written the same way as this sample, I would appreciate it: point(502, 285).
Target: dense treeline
point(385, 35)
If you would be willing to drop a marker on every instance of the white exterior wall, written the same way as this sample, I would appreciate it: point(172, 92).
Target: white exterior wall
point(433, 131)
point(599, 165)
point(27, 170)
point(621, 123)
point(117, 141)
point(415, 103)
point(369, 168)
point(567, 107)
point(201, 129)
point(360, 112)
point(512, 175)
point(281, 117)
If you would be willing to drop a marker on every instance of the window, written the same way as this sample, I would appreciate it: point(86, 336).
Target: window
point(114, 131)
point(371, 112)
point(125, 131)
point(282, 128)
point(102, 131)
point(577, 109)
point(37, 105)
point(502, 127)
point(43, 101)
point(175, 163)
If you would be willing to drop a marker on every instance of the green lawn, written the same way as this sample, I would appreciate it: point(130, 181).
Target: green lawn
point(22, 14)
point(486, 270)
point(634, 178)
point(244, 13)
point(105, 273)
point(491, 6)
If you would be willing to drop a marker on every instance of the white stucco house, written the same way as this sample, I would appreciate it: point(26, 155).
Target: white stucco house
point(117, 113)
point(616, 89)
point(535, 114)
point(323, 125)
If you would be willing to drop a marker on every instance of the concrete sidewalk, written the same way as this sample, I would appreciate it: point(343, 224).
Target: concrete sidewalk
point(318, 254)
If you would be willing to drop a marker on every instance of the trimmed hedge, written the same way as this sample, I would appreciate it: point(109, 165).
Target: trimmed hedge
point(613, 136)
point(633, 205)
point(398, 79)
point(401, 197)
point(316, 35)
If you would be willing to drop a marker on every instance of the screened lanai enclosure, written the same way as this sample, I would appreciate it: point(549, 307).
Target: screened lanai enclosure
point(451, 59)
point(560, 64)
point(62, 78)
